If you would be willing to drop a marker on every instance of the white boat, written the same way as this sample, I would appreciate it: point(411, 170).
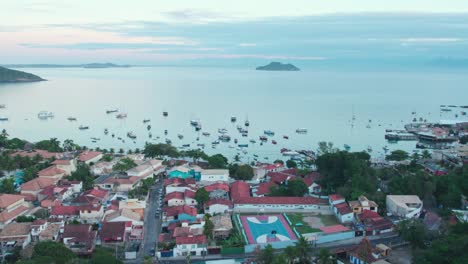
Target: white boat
point(121, 115)
point(222, 131)
point(195, 122)
point(206, 134)
point(301, 130)
point(45, 115)
point(224, 138)
point(290, 153)
point(71, 118)
point(131, 135)
point(269, 132)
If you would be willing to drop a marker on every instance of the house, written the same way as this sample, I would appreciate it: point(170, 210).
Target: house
point(135, 205)
point(67, 165)
point(52, 172)
point(184, 172)
point(102, 167)
point(32, 188)
point(51, 232)
point(311, 181)
point(280, 204)
point(38, 226)
point(93, 196)
point(208, 177)
point(174, 199)
point(191, 245)
point(147, 169)
point(335, 199)
point(114, 231)
point(364, 253)
point(218, 190)
point(239, 190)
point(218, 206)
point(65, 212)
point(15, 235)
point(343, 213)
point(124, 215)
point(76, 186)
point(79, 238)
point(222, 225)
point(89, 157)
point(38, 152)
point(180, 213)
point(371, 223)
point(91, 213)
point(11, 206)
point(363, 204)
point(264, 188)
point(262, 169)
point(189, 197)
point(117, 182)
point(173, 184)
point(406, 206)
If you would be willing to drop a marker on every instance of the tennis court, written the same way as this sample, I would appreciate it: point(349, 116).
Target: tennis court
point(266, 228)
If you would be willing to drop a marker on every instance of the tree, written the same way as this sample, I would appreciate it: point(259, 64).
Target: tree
point(124, 164)
point(103, 256)
point(24, 219)
point(202, 196)
point(7, 186)
point(30, 173)
point(426, 154)
point(242, 172)
point(278, 161)
point(326, 148)
point(303, 247)
point(325, 257)
point(195, 154)
point(83, 174)
point(291, 163)
point(291, 254)
point(69, 145)
point(160, 150)
point(266, 255)
point(297, 188)
point(208, 228)
point(464, 139)
point(52, 145)
point(413, 231)
point(217, 161)
point(57, 251)
point(397, 155)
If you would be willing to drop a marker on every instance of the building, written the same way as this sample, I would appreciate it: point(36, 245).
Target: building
point(191, 245)
point(114, 231)
point(79, 238)
point(184, 172)
point(89, 157)
point(117, 182)
point(147, 169)
point(103, 167)
point(363, 204)
point(335, 199)
point(44, 154)
point(32, 188)
point(371, 223)
point(180, 213)
point(15, 235)
point(406, 206)
point(239, 190)
point(209, 177)
point(280, 204)
point(343, 213)
point(218, 190)
point(11, 206)
point(218, 206)
point(222, 225)
point(91, 213)
point(67, 165)
point(51, 232)
point(124, 215)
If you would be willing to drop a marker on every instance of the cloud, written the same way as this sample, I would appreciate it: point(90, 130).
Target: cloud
point(430, 40)
point(248, 44)
point(197, 16)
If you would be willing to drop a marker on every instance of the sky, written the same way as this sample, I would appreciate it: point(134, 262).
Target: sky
point(152, 32)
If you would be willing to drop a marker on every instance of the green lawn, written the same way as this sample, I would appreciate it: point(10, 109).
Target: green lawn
point(296, 218)
point(328, 220)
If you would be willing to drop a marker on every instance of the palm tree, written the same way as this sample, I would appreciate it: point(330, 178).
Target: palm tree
point(325, 257)
point(302, 247)
point(291, 254)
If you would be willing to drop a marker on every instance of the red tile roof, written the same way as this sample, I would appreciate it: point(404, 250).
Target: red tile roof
point(201, 239)
point(87, 155)
point(113, 230)
point(334, 229)
point(219, 201)
point(179, 181)
point(343, 208)
point(97, 192)
point(9, 199)
point(264, 188)
point(272, 166)
point(368, 214)
point(240, 189)
point(183, 209)
point(280, 200)
point(37, 184)
point(43, 153)
point(50, 171)
point(311, 178)
point(189, 194)
point(336, 197)
point(278, 177)
point(65, 210)
point(61, 162)
point(217, 186)
point(174, 195)
point(9, 215)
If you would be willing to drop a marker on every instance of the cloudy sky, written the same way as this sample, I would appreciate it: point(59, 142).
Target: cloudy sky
point(229, 32)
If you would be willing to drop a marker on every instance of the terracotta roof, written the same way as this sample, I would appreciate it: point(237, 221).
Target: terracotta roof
point(113, 230)
point(80, 233)
point(43, 153)
point(217, 186)
point(165, 238)
point(174, 195)
point(96, 192)
point(311, 178)
point(273, 166)
point(181, 231)
point(87, 155)
point(15, 229)
point(343, 208)
point(240, 189)
point(368, 214)
point(61, 162)
point(179, 181)
point(9, 215)
point(201, 239)
point(336, 197)
point(50, 171)
point(65, 210)
point(125, 212)
point(219, 201)
point(189, 194)
point(278, 177)
point(364, 250)
point(38, 222)
point(9, 199)
point(334, 229)
point(264, 187)
point(183, 209)
point(37, 184)
point(279, 200)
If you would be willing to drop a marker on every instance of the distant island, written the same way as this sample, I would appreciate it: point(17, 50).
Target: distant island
point(87, 66)
point(14, 76)
point(278, 66)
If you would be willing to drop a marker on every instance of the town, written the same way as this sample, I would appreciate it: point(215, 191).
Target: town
point(60, 202)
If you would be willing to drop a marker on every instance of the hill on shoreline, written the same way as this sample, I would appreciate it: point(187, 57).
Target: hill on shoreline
point(14, 76)
point(278, 66)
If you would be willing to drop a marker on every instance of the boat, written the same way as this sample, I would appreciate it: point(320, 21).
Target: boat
point(198, 127)
point(347, 147)
point(368, 126)
point(150, 135)
point(106, 131)
point(235, 140)
point(83, 127)
point(245, 134)
point(180, 136)
point(231, 146)
point(168, 141)
point(445, 110)
point(201, 145)
point(165, 132)
point(224, 138)
point(452, 106)
point(121, 116)
point(286, 137)
point(369, 149)
point(255, 155)
point(45, 115)
point(263, 138)
point(252, 141)
point(206, 134)
point(268, 132)
point(95, 139)
point(239, 128)
point(148, 127)
point(385, 148)
point(216, 142)
point(222, 131)
point(274, 142)
point(165, 113)
point(2, 106)
point(463, 106)
point(194, 122)
point(186, 145)
point(247, 123)
point(233, 119)
point(131, 135)
point(146, 120)
point(111, 111)
point(3, 118)
point(463, 113)
point(243, 145)
point(301, 130)
point(290, 153)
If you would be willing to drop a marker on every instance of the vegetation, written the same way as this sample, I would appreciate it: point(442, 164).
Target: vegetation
point(209, 226)
point(160, 150)
point(143, 189)
point(299, 253)
point(8, 75)
point(7, 185)
point(464, 139)
point(52, 145)
point(24, 219)
point(103, 256)
point(217, 161)
point(293, 188)
point(57, 252)
point(241, 172)
point(298, 223)
point(124, 164)
point(397, 155)
point(291, 163)
point(83, 174)
point(201, 196)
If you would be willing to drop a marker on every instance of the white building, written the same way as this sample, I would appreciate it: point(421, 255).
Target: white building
point(407, 206)
point(191, 245)
point(214, 176)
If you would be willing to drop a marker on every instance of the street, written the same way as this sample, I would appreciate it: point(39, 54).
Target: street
point(152, 225)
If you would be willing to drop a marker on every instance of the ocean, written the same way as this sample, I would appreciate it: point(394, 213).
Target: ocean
point(321, 100)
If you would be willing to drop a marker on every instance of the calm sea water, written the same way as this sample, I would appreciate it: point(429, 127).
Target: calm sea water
point(321, 101)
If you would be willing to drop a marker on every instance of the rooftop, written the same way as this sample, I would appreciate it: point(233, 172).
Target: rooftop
point(334, 229)
point(15, 229)
point(9, 199)
point(87, 155)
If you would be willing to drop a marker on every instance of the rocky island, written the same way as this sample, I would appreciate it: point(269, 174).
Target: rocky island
point(278, 66)
point(14, 76)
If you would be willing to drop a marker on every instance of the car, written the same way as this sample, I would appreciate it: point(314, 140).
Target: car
point(152, 252)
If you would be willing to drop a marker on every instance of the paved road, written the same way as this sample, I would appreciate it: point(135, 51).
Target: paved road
point(152, 224)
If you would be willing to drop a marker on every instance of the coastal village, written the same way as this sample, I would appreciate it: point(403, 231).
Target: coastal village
point(162, 204)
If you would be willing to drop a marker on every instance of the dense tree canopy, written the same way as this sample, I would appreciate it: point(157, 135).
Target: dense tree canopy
point(291, 163)
point(52, 145)
point(57, 251)
point(293, 188)
point(160, 150)
point(83, 174)
point(124, 164)
point(241, 172)
point(397, 155)
point(217, 161)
